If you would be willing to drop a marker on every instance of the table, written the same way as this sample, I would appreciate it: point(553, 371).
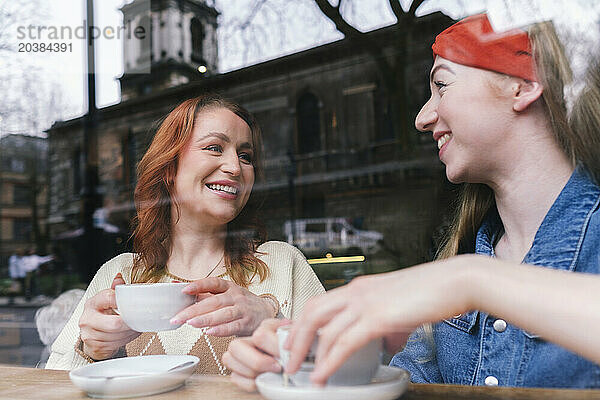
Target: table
point(30, 383)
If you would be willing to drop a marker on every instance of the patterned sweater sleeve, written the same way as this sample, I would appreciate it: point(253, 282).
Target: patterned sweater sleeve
point(305, 283)
point(292, 280)
point(63, 355)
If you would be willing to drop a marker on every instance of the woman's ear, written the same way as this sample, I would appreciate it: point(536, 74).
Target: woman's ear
point(525, 93)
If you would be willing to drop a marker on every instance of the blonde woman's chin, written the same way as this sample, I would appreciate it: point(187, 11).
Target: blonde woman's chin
point(454, 176)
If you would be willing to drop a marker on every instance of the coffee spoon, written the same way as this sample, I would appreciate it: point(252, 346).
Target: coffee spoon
point(287, 379)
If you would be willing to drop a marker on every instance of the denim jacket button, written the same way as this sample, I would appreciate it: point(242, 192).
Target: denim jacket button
point(500, 325)
point(491, 381)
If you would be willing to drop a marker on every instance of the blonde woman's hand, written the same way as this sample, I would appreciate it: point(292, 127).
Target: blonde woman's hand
point(103, 331)
point(251, 356)
point(226, 308)
point(390, 305)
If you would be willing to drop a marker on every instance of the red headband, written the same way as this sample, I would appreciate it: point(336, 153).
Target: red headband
point(474, 43)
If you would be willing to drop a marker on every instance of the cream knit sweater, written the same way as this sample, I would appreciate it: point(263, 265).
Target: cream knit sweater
point(291, 280)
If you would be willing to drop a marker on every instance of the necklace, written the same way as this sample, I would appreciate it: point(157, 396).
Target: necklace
point(175, 277)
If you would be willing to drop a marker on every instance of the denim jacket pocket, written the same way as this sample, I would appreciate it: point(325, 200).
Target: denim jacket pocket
point(464, 322)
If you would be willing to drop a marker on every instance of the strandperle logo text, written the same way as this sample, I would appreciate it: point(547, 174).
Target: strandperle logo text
point(83, 31)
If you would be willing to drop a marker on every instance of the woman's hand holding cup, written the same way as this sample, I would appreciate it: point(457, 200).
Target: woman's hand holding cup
point(251, 356)
point(225, 307)
point(102, 330)
point(265, 351)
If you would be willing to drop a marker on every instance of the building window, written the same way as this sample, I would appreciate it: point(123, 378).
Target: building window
point(309, 124)
point(13, 164)
point(359, 118)
point(145, 41)
point(128, 157)
point(5, 163)
point(313, 206)
point(21, 195)
point(384, 129)
point(76, 171)
point(22, 229)
point(197, 39)
point(146, 88)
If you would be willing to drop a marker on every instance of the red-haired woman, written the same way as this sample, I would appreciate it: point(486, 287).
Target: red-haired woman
point(193, 225)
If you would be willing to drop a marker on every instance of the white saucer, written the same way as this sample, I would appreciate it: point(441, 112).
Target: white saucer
point(102, 379)
point(389, 383)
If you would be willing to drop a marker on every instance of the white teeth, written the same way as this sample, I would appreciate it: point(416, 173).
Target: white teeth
point(442, 141)
point(223, 188)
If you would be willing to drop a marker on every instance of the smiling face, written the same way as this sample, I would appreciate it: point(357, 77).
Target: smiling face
point(215, 171)
point(468, 113)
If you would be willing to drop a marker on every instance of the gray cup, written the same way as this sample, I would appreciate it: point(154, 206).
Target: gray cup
point(359, 369)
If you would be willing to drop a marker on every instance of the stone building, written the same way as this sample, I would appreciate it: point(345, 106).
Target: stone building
point(329, 147)
point(182, 36)
point(23, 194)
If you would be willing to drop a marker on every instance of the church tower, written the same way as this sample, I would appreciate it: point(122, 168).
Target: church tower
point(167, 43)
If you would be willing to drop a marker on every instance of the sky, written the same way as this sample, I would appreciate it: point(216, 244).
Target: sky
point(279, 31)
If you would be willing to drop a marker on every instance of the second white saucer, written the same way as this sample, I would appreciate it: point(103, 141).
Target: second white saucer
point(389, 383)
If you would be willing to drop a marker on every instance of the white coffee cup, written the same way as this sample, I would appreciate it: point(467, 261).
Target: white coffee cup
point(148, 307)
point(359, 369)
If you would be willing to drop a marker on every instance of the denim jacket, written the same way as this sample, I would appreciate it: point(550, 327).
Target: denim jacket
point(480, 349)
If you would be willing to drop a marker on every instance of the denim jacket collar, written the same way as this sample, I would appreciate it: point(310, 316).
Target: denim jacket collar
point(558, 240)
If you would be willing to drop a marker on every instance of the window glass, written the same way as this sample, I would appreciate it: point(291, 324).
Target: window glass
point(348, 157)
point(22, 195)
point(309, 124)
point(21, 229)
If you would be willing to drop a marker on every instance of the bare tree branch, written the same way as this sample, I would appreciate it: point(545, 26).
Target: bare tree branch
point(403, 17)
point(245, 33)
point(359, 38)
point(13, 14)
point(414, 6)
point(333, 13)
point(396, 9)
point(281, 27)
point(253, 12)
point(25, 84)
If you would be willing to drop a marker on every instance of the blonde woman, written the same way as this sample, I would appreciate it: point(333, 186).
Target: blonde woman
point(530, 196)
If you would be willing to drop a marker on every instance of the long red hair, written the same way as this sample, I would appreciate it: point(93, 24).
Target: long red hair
point(154, 198)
